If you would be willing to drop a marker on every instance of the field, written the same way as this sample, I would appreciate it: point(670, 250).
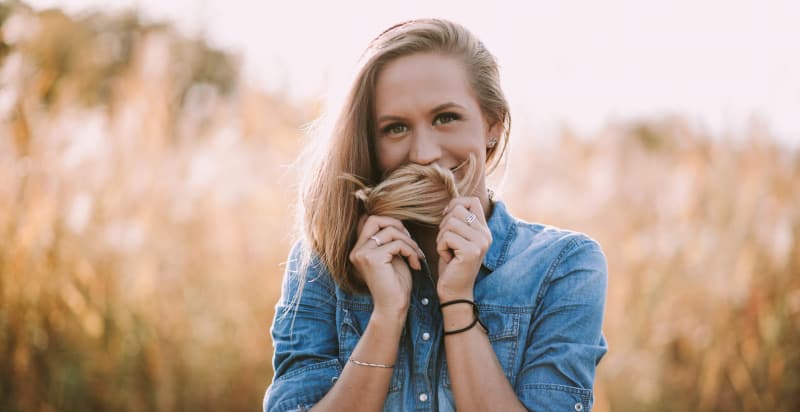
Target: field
point(146, 206)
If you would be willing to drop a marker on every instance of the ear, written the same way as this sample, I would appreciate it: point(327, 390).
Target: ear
point(494, 131)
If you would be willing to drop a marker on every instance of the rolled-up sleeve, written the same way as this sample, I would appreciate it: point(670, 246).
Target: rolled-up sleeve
point(303, 332)
point(565, 341)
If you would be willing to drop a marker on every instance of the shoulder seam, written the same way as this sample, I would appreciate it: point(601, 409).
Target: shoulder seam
point(577, 240)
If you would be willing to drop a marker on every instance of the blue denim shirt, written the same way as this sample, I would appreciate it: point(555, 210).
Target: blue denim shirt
point(540, 291)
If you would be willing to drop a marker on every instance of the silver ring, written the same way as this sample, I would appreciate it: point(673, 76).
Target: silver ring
point(378, 241)
point(469, 219)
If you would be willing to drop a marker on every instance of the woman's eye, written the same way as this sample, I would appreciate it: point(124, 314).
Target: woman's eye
point(445, 118)
point(394, 129)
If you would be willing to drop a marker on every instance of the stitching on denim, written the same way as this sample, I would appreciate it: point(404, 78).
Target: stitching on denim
point(398, 375)
point(359, 306)
point(347, 320)
point(504, 308)
point(511, 235)
point(344, 351)
point(343, 331)
point(299, 404)
point(506, 363)
point(514, 346)
point(586, 395)
point(573, 243)
point(315, 265)
point(508, 331)
point(558, 387)
point(513, 333)
point(332, 363)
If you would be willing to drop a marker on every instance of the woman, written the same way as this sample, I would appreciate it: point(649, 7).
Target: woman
point(480, 312)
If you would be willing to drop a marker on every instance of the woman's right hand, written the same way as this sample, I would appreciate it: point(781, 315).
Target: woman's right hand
point(380, 263)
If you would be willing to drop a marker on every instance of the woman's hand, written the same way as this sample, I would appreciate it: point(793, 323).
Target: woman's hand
point(378, 258)
point(464, 237)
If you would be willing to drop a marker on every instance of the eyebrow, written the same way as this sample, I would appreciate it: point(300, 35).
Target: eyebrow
point(438, 108)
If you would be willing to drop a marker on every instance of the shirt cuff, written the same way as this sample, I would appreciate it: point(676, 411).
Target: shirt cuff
point(553, 397)
point(299, 389)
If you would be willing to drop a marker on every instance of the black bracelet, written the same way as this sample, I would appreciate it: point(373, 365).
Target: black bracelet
point(474, 312)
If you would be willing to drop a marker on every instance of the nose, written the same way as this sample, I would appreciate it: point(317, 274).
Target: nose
point(425, 148)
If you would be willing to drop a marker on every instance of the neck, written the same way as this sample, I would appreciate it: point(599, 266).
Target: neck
point(425, 236)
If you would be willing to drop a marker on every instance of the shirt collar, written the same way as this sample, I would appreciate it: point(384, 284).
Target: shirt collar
point(503, 228)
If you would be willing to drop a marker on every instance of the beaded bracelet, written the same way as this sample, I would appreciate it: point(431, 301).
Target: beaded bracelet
point(474, 311)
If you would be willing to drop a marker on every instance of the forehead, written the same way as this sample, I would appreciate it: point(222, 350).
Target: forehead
point(422, 81)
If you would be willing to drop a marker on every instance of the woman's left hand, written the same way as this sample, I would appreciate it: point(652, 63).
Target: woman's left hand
point(461, 244)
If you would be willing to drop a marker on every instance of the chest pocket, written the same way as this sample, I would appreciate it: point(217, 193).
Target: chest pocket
point(354, 319)
point(504, 335)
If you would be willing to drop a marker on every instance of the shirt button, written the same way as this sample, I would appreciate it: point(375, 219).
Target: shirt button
point(426, 336)
point(578, 407)
point(333, 379)
point(425, 301)
point(423, 397)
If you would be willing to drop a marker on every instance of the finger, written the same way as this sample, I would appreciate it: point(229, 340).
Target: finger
point(470, 203)
point(472, 233)
point(399, 247)
point(457, 246)
point(457, 219)
point(459, 212)
point(445, 249)
point(386, 251)
point(385, 236)
point(390, 234)
point(476, 207)
point(374, 223)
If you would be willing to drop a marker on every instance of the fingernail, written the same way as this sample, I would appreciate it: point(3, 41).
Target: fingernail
point(421, 254)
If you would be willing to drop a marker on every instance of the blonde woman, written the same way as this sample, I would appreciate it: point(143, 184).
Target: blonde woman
point(427, 294)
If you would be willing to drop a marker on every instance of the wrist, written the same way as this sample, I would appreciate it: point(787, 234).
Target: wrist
point(459, 312)
point(394, 316)
point(446, 295)
point(392, 306)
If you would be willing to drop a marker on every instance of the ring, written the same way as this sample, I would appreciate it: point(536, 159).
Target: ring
point(378, 241)
point(469, 219)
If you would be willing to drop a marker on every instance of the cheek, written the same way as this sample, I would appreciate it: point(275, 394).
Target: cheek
point(470, 141)
point(389, 157)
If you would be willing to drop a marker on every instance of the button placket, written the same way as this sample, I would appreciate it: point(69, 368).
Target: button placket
point(427, 320)
point(422, 349)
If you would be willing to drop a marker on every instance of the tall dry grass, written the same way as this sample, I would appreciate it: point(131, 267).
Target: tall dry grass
point(145, 210)
point(703, 242)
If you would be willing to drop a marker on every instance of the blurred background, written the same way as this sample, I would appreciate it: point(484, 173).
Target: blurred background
point(147, 188)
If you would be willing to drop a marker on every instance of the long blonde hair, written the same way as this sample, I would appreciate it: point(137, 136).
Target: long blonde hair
point(329, 211)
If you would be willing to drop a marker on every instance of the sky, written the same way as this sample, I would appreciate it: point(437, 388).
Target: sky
point(581, 64)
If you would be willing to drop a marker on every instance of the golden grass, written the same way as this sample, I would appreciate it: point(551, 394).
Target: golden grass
point(703, 243)
point(141, 243)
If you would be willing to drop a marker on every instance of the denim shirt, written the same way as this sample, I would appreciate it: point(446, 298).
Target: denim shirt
point(540, 291)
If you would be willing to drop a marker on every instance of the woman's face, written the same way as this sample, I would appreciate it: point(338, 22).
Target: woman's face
point(427, 113)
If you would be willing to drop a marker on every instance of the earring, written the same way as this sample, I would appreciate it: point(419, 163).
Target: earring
point(492, 143)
